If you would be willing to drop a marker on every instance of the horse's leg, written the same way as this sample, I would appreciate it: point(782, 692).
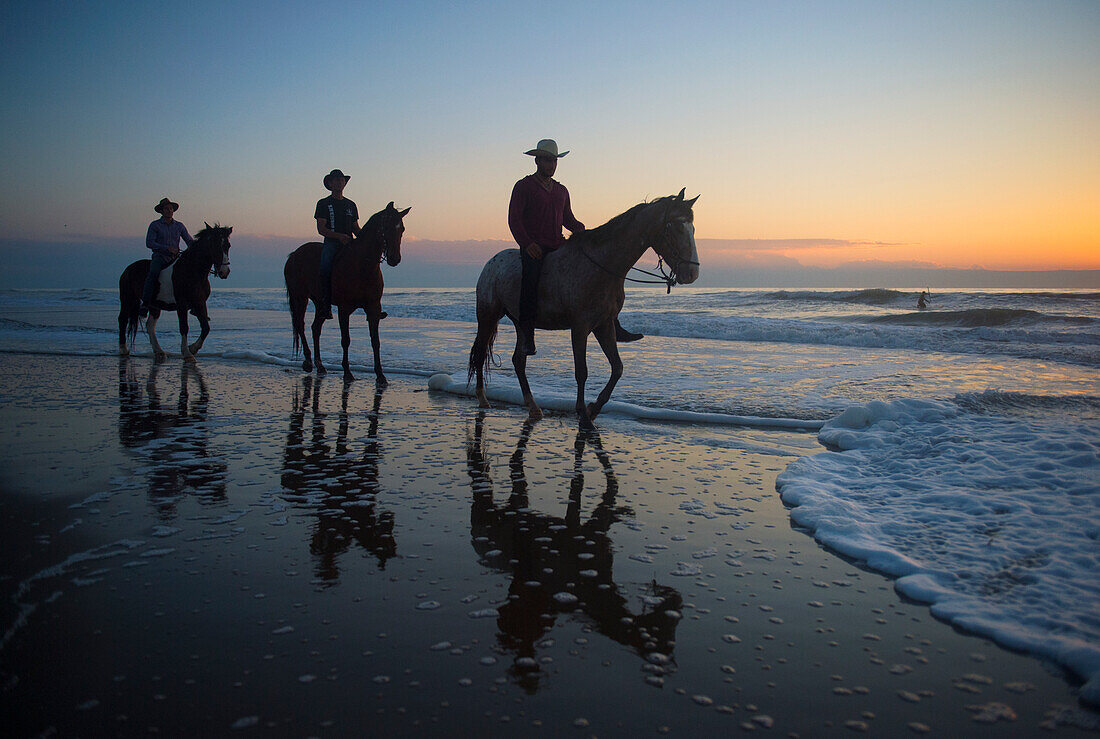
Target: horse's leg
point(318, 323)
point(373, 318)
point(345, 339)
point(605, 334)
point(204, 328)
point(151, 329)
point(580, 372)
point(185, 350)
point(519, 361)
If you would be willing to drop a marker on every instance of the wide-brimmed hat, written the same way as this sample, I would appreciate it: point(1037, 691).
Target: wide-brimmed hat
point(546, 148)
point(334, 173)
point(159, 207)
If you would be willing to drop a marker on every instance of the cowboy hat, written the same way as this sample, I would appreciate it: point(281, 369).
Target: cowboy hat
point(159, 207)
point(334, 173)
point(546, 148)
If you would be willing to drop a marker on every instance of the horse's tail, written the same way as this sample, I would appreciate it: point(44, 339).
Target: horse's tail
point(293, 321)
point(297, 307)
point(481, 352)
point(129, 305)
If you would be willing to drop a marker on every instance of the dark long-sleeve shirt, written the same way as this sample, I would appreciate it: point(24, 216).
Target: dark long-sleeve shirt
point(536, 215)
point(164, 238)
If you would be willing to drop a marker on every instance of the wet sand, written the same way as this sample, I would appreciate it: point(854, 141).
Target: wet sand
point(242, 547)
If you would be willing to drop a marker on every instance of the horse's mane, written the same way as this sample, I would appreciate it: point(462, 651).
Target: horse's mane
point(207, 232)
point(622, 222)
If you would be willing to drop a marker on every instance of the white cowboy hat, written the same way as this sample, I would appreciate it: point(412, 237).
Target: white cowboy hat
point(546, 148)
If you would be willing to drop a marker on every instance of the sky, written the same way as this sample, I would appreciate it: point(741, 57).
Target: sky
point(820, 135)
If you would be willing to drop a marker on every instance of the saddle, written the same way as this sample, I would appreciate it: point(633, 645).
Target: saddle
point(166, 296)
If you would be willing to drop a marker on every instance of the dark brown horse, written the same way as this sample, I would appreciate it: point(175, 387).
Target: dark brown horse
point(581, 290)
point(356, 283)
point(190, 287)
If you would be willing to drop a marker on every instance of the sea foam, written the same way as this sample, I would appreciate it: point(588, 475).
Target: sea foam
point(993, 520)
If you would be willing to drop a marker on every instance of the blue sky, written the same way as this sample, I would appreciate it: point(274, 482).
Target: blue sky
point(962, 131)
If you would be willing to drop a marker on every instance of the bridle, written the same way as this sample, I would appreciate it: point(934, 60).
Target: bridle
point(663, 278)
point(225, 253)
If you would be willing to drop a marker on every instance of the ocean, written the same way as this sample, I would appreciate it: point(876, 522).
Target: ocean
point(956, 449)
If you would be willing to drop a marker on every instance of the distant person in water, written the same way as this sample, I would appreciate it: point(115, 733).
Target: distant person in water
point(164, 239)
point(337, 221)
point(538, 210)
point(922, 301)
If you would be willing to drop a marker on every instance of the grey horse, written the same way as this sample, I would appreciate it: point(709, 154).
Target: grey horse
point(581, 291)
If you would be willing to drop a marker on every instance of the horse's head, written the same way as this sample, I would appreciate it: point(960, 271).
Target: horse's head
point(215, 243)
point(676, 243)
point(387, 226)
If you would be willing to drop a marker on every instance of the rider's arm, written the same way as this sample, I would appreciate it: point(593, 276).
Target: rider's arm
point(153, 241)
point(186, 236)
point(569, 220)
point(515, 221)
point(328, 233)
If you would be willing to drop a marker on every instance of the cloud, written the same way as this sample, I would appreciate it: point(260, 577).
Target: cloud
point(757, 245)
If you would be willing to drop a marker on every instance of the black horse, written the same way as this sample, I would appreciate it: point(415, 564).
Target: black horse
point(190, 288)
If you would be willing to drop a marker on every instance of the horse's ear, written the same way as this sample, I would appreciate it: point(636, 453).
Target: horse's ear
point(390, 206)
point(405, 212)
point(206, 224)
point(229, 231)
point(691, 202)
point(681, 195)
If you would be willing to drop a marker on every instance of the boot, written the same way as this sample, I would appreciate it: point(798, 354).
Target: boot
point(623, 336)
point(527, 338)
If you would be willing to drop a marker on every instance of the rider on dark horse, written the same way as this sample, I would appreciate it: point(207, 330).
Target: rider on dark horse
point(538, 210)
point(164, 239)
point(337, 220)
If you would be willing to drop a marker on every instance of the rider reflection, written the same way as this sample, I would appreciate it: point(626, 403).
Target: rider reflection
point(175, 442)
point(548, 556)
point(341, 487)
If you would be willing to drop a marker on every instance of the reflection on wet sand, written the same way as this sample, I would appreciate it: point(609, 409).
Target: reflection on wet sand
point(562, 565)
point(338, 485)
point(174, 441)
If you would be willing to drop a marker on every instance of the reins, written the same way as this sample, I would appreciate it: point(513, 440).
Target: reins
point(663, 278)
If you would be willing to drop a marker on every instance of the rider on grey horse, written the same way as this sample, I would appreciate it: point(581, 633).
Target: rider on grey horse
point(538, 209)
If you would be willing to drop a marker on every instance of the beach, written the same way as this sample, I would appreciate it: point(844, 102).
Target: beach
point(240, 546)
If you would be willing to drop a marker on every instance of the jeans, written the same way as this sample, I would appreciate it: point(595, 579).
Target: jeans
point(529, 287)
point(328, 256)
point(156, 264)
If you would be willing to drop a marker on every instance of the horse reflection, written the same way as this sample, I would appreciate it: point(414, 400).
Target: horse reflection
point(548, 556)
point(174, 441)
point(341, 487)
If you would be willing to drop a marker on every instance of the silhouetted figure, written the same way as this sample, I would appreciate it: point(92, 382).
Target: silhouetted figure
point(922, 301)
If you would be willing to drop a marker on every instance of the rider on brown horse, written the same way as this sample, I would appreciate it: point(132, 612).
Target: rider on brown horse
point(164, 239)
point(538, 209)
point(337, 220)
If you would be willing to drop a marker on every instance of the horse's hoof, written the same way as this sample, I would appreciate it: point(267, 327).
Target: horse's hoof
point(381, 380)
point(484, 404)
point(194, 348)
point(586, 423)
point(535, 414)
point(349, 377)
point(307, 367)
point(190, 359)
point(321, 370)
point(593, 411)
point(123, 351)
point(159, 356)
